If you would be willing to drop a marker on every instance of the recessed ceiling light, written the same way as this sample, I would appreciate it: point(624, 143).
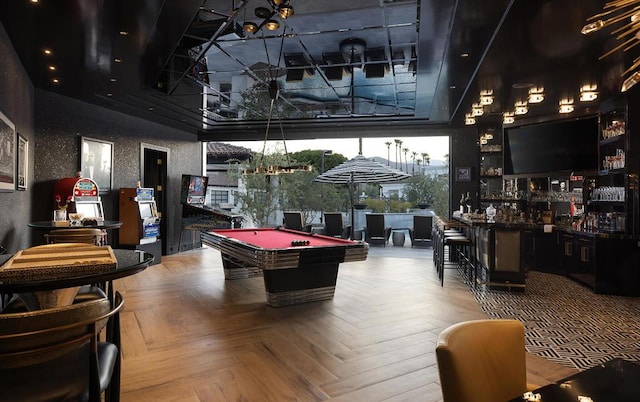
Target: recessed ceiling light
point(151, 108)
point(463, 55)
point(34, 1)
point(48, 52)
point(117, 60)
point(452, 87)
point(52, 68)
point(124, 33)
point(55, 81)
point(112, 79)
point(109, 94)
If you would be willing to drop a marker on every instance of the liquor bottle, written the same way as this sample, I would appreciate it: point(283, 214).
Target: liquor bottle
point(462, 203)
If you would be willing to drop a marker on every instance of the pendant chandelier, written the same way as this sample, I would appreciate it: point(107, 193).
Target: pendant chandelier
point(274, 94)
point(625, 14)
point(267, 14)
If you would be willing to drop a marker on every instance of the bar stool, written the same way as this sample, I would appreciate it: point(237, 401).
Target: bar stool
point(457, 245)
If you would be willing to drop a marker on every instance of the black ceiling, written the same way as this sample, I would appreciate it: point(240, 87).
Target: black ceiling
point(422, 62)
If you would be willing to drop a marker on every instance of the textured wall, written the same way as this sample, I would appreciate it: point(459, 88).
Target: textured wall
point(16, 102)
point(61, 121)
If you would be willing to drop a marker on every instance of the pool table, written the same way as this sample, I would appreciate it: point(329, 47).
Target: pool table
point(297, 267)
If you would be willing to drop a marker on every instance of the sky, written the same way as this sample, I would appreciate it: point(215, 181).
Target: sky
point(436, 147)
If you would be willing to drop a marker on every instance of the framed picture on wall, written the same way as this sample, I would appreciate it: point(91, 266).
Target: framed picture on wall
point(96, 162)
point(463, 174)
point(7, 154)
point(23, 162)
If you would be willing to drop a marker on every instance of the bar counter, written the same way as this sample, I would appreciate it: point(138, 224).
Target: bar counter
point(606, 262)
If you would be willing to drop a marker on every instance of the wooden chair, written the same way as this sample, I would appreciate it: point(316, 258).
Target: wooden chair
point(421, 234)
point(376, 233)
point(334, 227)
point(85, 235)
point(55, 354)
point(482, 361)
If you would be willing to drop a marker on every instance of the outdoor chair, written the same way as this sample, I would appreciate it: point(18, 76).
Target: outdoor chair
point(55, 354)
point(334, 227)
point(294, 221)
point(421, 234)
point(376, 233)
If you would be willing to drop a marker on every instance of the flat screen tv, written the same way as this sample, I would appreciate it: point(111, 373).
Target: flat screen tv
point(545, 149)
point(193, 188)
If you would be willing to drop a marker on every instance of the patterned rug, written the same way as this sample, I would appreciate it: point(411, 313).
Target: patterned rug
point(566, 322)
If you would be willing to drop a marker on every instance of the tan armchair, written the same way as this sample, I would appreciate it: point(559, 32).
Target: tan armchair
point(482, 361)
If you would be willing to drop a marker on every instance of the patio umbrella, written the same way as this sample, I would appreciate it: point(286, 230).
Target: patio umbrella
point(360, 170)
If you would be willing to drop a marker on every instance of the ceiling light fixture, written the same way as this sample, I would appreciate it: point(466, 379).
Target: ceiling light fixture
point(274, 94)
point(278, 7)
point(624, 13)
point(272, 25)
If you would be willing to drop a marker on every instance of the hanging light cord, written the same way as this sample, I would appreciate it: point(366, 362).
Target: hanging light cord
point(272, 78)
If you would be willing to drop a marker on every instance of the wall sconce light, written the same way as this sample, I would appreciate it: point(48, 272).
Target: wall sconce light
point(566, 106)
point(536, 94)
point(477, 110)
point(520, 108)
point(588, 93)
point(508, 118)
point(469, 120)
point(486, 97)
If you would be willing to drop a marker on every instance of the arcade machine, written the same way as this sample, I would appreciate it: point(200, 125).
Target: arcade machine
point(79, 200)
point(140, 221)
point(196, 216)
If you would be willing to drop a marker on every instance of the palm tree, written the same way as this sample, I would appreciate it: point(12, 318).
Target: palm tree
point(398, 143)
point(425, 159)
point(406, 164)
point(413, 162)
point(388, 144)
point(419, 162)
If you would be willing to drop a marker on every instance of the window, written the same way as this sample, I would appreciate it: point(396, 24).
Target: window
point(218, 197)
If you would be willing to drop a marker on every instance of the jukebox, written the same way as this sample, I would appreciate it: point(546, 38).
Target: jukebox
point(79, 196)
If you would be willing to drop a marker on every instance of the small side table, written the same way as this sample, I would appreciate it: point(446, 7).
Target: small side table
point(397, 237)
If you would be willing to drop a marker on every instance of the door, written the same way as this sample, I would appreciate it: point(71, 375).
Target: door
point(154, 175)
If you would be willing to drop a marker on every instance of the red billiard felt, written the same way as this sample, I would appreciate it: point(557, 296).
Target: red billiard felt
point(269, 238)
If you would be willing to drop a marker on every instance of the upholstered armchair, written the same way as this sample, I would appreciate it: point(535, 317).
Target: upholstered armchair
point(482, 361)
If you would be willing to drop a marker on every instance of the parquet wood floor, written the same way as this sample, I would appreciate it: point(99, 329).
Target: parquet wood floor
point(189, 335)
